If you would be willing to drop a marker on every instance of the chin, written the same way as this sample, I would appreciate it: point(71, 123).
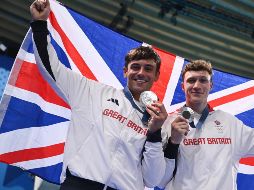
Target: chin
point(136, 89)
point(140, 88)
point(195, 100)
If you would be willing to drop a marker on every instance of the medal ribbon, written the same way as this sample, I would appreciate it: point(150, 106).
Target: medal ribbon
point(202, 119)
point(129, 96)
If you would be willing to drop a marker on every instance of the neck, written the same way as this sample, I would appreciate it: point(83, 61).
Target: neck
point(135, 95)
point(197, 107)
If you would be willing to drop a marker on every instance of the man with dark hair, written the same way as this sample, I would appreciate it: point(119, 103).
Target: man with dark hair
point(143, 52)
point(207, 144)
point(110, 142)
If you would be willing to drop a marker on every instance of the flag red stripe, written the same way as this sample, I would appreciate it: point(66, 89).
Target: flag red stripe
point(247, 161)
point(167, 64)
point(71, 50)
point(30, 79)
point(32, 154)
point(232, 97)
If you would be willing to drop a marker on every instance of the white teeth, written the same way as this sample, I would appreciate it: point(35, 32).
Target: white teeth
point(141, 81)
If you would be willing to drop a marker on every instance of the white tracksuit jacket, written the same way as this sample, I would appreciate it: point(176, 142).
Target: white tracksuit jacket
point(106, 136)
point(208, 158)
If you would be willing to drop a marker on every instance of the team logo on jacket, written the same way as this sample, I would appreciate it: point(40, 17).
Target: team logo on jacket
point(218, 126)
point(217, 122)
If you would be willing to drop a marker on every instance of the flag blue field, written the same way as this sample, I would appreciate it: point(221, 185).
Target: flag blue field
point(34, 119)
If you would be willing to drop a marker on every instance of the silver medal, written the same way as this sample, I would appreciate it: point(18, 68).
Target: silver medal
point(147, 98)
point(187, 113)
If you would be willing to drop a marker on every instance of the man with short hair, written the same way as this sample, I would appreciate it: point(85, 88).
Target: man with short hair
point(111, 144)
point(207, 144)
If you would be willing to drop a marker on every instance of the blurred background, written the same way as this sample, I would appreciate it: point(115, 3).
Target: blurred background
point(219, 31)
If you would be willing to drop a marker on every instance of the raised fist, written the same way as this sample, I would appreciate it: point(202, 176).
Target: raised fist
point(40, 9)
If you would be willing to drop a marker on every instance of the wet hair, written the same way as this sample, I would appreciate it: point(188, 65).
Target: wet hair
point(198, 65)
point(143, 52)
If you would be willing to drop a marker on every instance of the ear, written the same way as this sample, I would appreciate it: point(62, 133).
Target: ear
point(182, 85)
point(211, 86)
point(125, 70)
point(157, 75)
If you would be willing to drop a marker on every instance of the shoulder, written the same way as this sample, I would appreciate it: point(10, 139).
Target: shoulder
point(228, 117)
point(221, 113)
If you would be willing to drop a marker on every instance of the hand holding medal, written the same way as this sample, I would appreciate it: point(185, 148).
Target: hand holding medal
point(187, 113)
point(156, 109)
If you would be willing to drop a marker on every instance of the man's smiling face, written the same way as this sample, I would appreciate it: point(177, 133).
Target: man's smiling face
point(141, 74)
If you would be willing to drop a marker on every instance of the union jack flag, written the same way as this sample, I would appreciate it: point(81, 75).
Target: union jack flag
point(34, 119)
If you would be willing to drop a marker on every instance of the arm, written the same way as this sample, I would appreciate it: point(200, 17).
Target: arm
point(40, 33)
point(40, 12)
point(177, 130)
point(65, 82)
point(153, 163)
point(170, 154)
point(244, 139)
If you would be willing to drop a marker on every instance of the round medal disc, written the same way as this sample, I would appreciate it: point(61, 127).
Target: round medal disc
point(188, 114)
point(147, 98)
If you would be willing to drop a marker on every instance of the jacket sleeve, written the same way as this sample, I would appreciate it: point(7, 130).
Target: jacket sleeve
point(244, 139)
point(153, 162)
point(168, 175)
point(40, 33)
point(158, 164)
point(170, 154)
point(64, 81)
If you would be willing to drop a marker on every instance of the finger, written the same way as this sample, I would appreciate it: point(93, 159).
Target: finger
point(38, 6)
point(181, 124)
point(181, 119)
point(186, 133)
point(42, 1)
point(41, 4)
point(185, 130)
point(157, 112)
point(159, 105)
point(163, 109)
point(157, 108)
point(180, 128)
point(181, 131)
point(47, 2)
point(152, 110)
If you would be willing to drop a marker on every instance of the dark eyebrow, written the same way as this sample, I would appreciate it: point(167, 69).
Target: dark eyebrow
point(135, 64)
point(192, 78)
point(148, 65)
point(198, 77)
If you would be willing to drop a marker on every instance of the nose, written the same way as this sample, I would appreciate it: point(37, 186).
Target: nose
point(141, 71)
point(196, 84)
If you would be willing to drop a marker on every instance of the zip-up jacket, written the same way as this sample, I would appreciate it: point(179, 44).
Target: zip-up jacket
point(208, 158)
point(107, 142)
